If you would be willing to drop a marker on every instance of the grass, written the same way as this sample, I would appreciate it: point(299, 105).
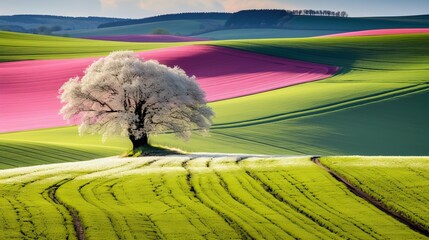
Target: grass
point(370, 53)
point(374, 106)
point(222, 197)
point(401, 183)
point(361, 110)
point(57, 145)
point(20, 46)
point(174, 27)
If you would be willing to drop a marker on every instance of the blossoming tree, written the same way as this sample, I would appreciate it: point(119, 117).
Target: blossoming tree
point(123, 95)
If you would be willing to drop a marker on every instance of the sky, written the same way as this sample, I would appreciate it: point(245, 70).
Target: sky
point(146, 8)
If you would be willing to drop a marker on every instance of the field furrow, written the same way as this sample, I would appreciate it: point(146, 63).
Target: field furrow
point(40, 217)
point(251, 193)
point(9, 216)
point(333, 208)
point(213, 193)
point(399, 183)
point(188, 197)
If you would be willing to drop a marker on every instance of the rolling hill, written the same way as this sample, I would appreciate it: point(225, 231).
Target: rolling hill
point(147, 38)
point(231, 197)
point(215, 28)
point(169, 17)
point(381, 32)
point(355, 24)
point(361, 110)
point(399, 183)
point(355, 93)
point(20, 46)
point(45, 146)
point(33, 23)
point(382, 89)
point(257, 33)
point(173, 27)
point(26, 80)
point(373, 102)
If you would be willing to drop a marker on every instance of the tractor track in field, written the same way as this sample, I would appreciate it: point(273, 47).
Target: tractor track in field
point(328, 108)
point(230, 221)
point(77, 223)
point(370, 199)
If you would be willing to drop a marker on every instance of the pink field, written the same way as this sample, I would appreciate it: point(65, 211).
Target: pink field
point(29, 89)
point(381, 32)
point(147, 38)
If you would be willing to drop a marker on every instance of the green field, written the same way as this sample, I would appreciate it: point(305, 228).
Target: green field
point(402, 184)
point(297, 26)
point(20, 46)
point(375, 105)
point(254, 33)
point(187, 198)
point(355, 24)
point(174, 27)
point(29, 148)
point(361, 110)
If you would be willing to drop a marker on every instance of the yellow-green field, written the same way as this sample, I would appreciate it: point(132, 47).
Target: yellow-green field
point(402, 184)
point(375, 105)
point(188, 197)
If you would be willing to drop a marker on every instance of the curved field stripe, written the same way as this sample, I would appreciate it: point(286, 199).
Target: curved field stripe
point(39, 218)
point(214, 192)
point(147, 38)
point(23, 46)
point(188, 198)
point(30, 88)
point(9, 218)
point(296, 178)
point(341, 105)
point(257, 198)
point(400, 183)
point(378, 32)
point(27, 153)
point(225, 73)
point(264, 33)
point(96, 218)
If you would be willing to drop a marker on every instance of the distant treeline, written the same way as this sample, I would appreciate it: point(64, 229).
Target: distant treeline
point(328, 13)
point(272, 17)
point(169, 17)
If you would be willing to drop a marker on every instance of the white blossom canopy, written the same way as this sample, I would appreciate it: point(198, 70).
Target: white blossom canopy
point(123, 95)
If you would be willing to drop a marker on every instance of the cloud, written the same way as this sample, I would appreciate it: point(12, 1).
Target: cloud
point(140, 8)
point(236, 5)
point(180, 6)
point(109, 3)
point(115, 3)
point(208, 5)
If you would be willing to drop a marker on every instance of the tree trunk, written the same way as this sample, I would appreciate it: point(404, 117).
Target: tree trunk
point(141, 142)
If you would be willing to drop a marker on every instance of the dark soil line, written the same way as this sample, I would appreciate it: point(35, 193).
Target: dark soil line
point(77, 223)
point(370, 199)
point(237, 228)
point(269, 190)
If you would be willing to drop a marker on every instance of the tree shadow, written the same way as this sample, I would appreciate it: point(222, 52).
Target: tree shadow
point(150, 151)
